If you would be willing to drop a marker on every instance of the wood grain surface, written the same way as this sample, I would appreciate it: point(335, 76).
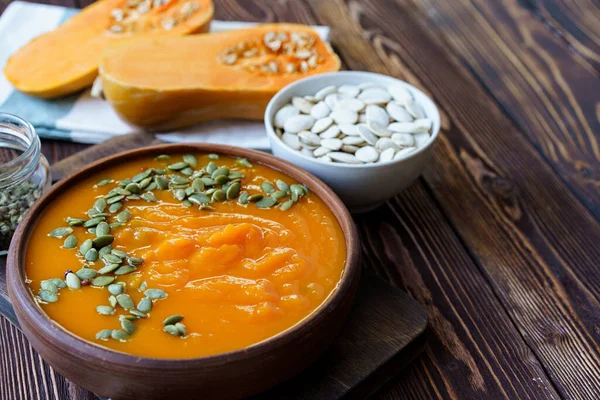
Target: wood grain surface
point(499, 240)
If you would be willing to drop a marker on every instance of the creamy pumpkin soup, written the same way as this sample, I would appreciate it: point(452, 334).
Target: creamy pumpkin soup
point(184, 256)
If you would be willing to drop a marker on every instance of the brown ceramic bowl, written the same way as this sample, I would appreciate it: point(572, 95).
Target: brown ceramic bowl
point(224, 376)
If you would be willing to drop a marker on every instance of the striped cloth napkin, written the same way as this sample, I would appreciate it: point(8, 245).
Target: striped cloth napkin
point(84, 119)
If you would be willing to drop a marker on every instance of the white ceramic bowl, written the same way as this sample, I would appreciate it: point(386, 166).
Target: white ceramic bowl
point(366, 186)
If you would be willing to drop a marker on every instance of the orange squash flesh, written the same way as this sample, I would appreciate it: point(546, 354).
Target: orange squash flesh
point(166, 83)
point(239, 274)
point(66, 59)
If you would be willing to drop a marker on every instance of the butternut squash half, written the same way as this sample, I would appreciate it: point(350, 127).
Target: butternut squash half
point(166, 83)
point(66, 59)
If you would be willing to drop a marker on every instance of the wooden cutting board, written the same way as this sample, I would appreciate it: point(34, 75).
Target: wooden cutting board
point(385, 331)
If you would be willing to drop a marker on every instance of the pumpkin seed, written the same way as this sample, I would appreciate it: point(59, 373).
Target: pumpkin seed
point(75, 221)
point(70, 242)
point(297, 191)
point(145, 305)
point(120, 191)
point(173, 319)
point(128, 326)
point(279, 194)
point(141, 176)
point(213, 156)
point(149, 196)
point(92, 230)
point(115, 225)
point(233, 191)
point(115, 289)
point(103, 182)
point(91, 255)
point(155, 294)
point(208, 181)
point(47, 296)
point(137, 313)
point(179, 194)
point(255, 197)
point(115, 199)
point(191, 160)
point(85, 246)
point(207, 207)
point(125, 301)
point(102, 229)
point(115, 207)
point(100, 205)
point(187, 171)
point(104, 334)
point(105, 310)
point(119, 335)
point(244, 162)
point(178, 166)
point(144, 183)
point(198, 185)
point(219, 195)
point(133, 197)
point(133, 188)
point(86, 273)
point(267, 187)
point(162, 157)
point(211, 167)
point(266, 202)
point(243, 199)
point(135, 261)
point(199, 198)
point(113, 301)
point(119, 253)
point(181, 328)
point(152, 186)
point(93, 222)
point(221, 171)
point(123, 216)
point(111, 259)
point(92, 212)
point(210, 191)
point(124, 269)
point(235, 175)
point(73, 281)
point(102, 280)
point(286, 205)
point(60, 232)
point(221, 179)
point(161, 182)
point(143, 286)
point(105, 250)
point(49, 286)
point(58, 282)
point(102, 241)
point(172, 329)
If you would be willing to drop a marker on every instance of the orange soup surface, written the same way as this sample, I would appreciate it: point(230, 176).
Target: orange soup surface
point(237, 273)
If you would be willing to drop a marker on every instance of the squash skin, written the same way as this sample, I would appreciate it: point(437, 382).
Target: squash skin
point(185, 92)
point(65, 60)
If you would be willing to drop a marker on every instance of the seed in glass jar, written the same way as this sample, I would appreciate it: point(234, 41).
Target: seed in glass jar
point(367, 154)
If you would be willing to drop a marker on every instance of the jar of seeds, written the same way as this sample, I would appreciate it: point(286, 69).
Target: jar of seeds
point(24, 174)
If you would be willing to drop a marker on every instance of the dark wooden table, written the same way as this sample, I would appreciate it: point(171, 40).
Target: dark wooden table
point(499, 240)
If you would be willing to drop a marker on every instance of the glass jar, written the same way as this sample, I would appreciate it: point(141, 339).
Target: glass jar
point(24, 174)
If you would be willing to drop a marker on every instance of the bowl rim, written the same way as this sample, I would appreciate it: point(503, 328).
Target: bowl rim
point(22, 297)
point(270, 114)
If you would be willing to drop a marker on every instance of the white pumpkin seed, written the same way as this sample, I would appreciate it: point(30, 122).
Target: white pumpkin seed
point(349, 129)
point(398, 113)
point(307, 152)
point(421, 139)
point(404, 127)
point(307, 137)
point(284, 114)
point(344, 116)
point(368, 85)
point(321, 124)
point(333, 144)
point(312, 99)
point(331, 132)
point(320, 95)
point(423, 124)
point(377, 114)
point(325, 159)
point(387, 155)
point(348, 148)
point(320, 110)
point(302, 104)
point(403, 139)
point(321, 151)
point(353, 140)
point(298, 123)
point(415, 110)
point(375, 96)
point(401, 94)
point(331, 100)
point(349, 90)
point(366, 134)
point(386, 143)
point(291, 140)
point(378, 129)
point(344, 157)
point(367, 154)
point(356, 105)
point(400, 154)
